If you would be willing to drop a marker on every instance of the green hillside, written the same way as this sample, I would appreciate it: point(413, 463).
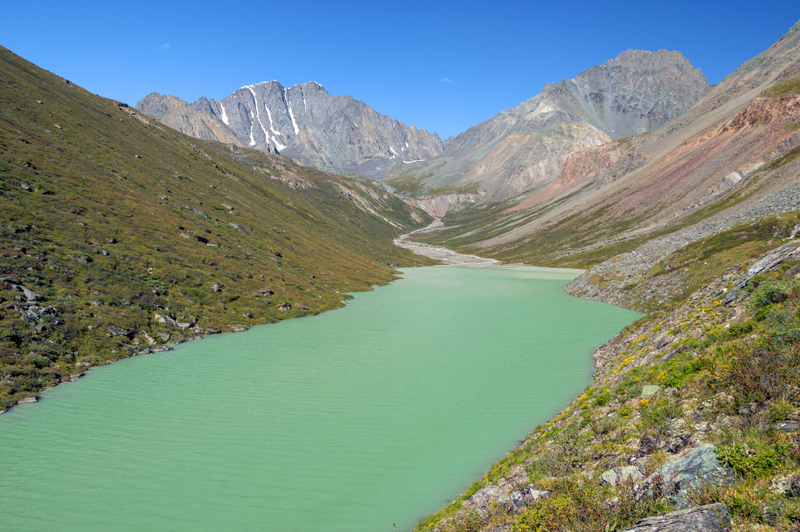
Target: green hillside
point(120, 234)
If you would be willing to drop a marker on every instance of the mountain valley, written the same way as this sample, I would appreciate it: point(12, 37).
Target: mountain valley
point(127, 230)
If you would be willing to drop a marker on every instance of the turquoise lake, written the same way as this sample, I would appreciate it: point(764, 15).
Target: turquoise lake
point(364, 419)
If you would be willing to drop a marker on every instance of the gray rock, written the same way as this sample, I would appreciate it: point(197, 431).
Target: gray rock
point(481, 499)
point(196, 211)
point(619, 475)
point(517, 501)
point(30, 295)
point(28, 400)
point(118, 331)
point(534, 494)
point(215, 287)
point(786, 486)
point(160, 349)
point(693, 470)
point(240, 228)
point(664, 340)
point(709, 518)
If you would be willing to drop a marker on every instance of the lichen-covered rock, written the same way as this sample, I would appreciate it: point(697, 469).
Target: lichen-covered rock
point(620, 475)
point(698, 467)
point(709, 518)
point(481, 499)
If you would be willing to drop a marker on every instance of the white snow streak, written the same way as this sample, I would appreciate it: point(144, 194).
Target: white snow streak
point(278, 144)
point(224, 114)
point(269, 115)
point(394, 152)
point(258, 117)
point(414, 161)
point(291, 114)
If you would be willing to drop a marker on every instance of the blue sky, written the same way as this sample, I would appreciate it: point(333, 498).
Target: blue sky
point(442, 65)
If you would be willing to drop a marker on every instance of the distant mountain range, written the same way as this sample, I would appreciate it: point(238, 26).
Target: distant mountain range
point(304, 122)
point(525, 147)
point(518, 150)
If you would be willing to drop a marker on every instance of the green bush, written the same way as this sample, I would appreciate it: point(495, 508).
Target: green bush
point(657, 415)
point(603, 399)
point(770, 291)
point(754, 464)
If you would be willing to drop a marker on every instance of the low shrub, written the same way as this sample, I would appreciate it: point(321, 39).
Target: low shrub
point(770, 291)
point(750, 463)
point(763, 370)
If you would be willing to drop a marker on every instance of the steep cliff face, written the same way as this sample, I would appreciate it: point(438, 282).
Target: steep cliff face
point(306, 123)
point(525, 148)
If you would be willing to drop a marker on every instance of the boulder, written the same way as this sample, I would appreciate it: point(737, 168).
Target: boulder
point(30, 295)
point(709, 518)
point(481, 499)
point(788, 486)
point(117, 331)
point(618, 475)
point(240, 228)
point(664, 340)
point(196, 211)
point(697, 468)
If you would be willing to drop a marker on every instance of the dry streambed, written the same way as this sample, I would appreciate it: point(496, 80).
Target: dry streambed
point(447, 256)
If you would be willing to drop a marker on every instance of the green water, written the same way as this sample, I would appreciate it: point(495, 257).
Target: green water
point(355, 420)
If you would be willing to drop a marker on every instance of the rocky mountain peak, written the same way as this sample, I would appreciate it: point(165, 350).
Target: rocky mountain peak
point(306, 123)
point(525, 147)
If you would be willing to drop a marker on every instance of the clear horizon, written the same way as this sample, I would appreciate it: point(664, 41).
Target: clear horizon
point(442, 67)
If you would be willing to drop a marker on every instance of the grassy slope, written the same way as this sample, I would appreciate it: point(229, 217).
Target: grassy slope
point(94, 217)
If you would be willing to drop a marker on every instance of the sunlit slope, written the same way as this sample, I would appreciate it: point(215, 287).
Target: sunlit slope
point(119, 232)
point(735, 151)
